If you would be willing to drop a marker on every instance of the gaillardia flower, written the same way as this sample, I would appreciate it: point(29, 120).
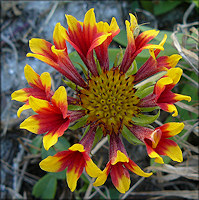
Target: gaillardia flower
point(108, 99)
point(76, 158)
point(162, 95)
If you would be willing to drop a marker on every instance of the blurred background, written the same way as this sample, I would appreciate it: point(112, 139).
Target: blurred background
point(21, 177)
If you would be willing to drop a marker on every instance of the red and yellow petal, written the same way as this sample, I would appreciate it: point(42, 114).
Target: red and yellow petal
point(171, 129)
point(161, 84)
point(49, 140)
point(120, 177)
point(175, 74)
point(73, 25)
point(59, 99)
point(113, 28)
point(153, 154)
point(46, 82)
point(55, 163)
point(75, 169)
point(77, 147)
point(47, 60)
point(22, 108)
point(41, 47)
point(130, 36)
point(31, 124)
point(171, 149)
point(90, 167)
point(41, 106)
point(155, 137)
point(120, 157)
point(89, 19)
point(20, 95)
point(136, 169)
point(31, 76)
point(146, 36)
point(169, 108)
point(101, 179)
point(180, 97)
point(58, 37)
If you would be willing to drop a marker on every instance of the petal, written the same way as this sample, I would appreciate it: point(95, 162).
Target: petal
point(58, 37)
point(171, 149)
point(120, 177)
point(31, 76)
point(45, 59)
point(152, 154)
point(174, 59)
point(77, 147)
point(91, 168)
point(175, 74)
point(145, 37)
point(171, 129)
point(46, 81)
point(168, 61)
point(180, 97)
point(72, 24)
point(22, 108)
point(169, 108)
point(136, 169)
point(41, 47)
point(55, 163)
point(121, 157)
point(31, 124)
point(160, 86)
point(75, 170)
point(20, 95)
point(41, 106)
point(102, 176)
point(89, 19)
point(59, 99)
point(49, 140)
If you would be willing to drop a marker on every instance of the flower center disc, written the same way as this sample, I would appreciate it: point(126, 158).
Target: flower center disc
point(110, 101)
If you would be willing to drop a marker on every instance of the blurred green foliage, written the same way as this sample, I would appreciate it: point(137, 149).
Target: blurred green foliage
point(160, 7)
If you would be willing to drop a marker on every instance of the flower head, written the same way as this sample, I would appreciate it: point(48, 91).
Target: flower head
point(157, 143)
point(52, 117)
point(75, 159)
point(56, 55)
point(108, 99)
point(87, 36)
point(118, 167)
point(40, 88)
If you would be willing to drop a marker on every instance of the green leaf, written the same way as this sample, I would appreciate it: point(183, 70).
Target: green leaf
point(45, 188)
point(75, 107)
point(147, 5)
point(50, 152)
point(163, 7)
point(36, 142)
point(148, 109)
point(132, 69)
point(196, 2)
point(86, 130)
point(118, 58)
point(144, 120)
point(121, 38)
point(98, 136)
point(80, 123)
point(143, 93)
point(112, 52)
point(76, 60)
point(128, 135)
point(59, 175)
point(71, 84)
point(62, 144)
